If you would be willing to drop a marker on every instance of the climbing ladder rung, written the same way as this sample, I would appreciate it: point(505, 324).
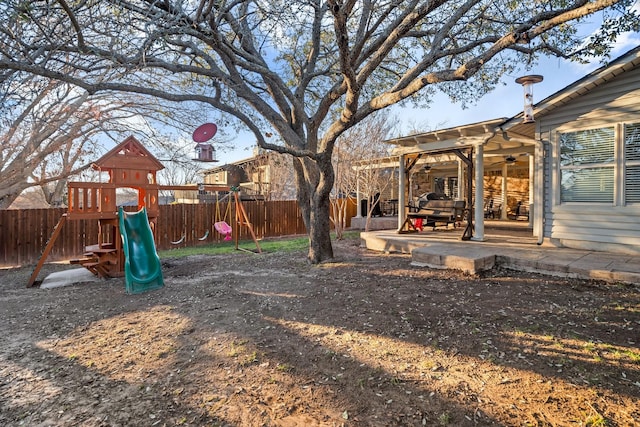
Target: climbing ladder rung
point(90, 264)
point(104, 250)
point(81, 260)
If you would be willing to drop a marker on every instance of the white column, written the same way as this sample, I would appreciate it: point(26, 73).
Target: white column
point(402, 200)
point(538, 198)
point(358, 198)
point(531, 188)
point(461, 181)
point(505, 173)
point(478, 235)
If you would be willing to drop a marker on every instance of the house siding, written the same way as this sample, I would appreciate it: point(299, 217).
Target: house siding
point(604, 227)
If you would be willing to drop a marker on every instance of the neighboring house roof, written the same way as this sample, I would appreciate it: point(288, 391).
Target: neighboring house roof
point(238, 163)
point(126, 200)
point(32, 198)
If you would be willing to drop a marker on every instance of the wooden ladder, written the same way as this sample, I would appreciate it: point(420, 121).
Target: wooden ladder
point(103, 262)
point(47, 250)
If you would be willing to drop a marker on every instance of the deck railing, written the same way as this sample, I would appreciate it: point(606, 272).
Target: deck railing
point(91, 198)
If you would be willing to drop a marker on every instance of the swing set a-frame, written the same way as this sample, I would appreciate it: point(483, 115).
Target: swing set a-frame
point(220, 220)
point(129, 165)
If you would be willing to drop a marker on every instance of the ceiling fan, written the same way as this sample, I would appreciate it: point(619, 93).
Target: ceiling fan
point(510, 159)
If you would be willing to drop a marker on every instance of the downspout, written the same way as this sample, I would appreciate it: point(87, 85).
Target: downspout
point(538, 212)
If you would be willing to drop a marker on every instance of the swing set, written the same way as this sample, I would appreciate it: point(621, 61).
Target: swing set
point(222, 219)
point(221, 225)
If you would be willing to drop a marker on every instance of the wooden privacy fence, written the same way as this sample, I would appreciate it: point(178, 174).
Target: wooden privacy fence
point(195, 221)
point(24, 233)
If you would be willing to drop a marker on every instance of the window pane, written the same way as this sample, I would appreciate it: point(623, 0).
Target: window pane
point(632, 184)
point(587, 185)
point(632, 142)
point(587, 147)
point(632, 163)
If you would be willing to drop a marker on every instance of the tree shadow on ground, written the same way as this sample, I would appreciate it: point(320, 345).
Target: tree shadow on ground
point(365, 340)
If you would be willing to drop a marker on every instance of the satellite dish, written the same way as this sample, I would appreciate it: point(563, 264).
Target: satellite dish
point(205, 132)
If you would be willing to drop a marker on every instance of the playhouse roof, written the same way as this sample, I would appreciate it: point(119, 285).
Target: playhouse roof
point(129, 154)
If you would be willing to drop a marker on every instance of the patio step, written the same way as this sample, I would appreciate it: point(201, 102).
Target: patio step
point(439, 250)
point(468, 260)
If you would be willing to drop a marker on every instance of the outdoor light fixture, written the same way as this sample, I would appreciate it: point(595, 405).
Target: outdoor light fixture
point(527, 83)
point(510, 160)
point(427, 168)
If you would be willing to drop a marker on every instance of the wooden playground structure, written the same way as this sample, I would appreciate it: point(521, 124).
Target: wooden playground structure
point(129, 165)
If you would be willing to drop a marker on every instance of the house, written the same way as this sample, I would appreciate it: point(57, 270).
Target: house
point(265, 175)
point(577, 166)
point(588, 138)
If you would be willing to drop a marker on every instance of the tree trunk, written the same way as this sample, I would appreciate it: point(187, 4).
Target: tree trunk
point(54, 192)
point(7, 199)
point(320, 248)
point(10, 193)
point(338, 210)
point(314, 180)
point(302, 194)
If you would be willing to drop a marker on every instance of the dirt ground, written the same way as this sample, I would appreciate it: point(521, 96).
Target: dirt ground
point(365, 340)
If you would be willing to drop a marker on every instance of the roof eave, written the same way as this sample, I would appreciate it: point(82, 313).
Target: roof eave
point(579, 87)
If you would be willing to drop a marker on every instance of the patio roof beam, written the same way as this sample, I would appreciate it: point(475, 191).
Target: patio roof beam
point(411, 162)
point(516, 137)
point(502, 151)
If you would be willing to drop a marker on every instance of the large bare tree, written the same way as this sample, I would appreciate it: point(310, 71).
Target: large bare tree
point(47, 132)
point(51, 130)
point(306, 70)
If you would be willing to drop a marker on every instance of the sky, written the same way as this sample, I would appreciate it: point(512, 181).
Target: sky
point(505, 101)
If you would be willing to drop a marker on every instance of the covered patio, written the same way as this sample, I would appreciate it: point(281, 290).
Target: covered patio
point(494, 170)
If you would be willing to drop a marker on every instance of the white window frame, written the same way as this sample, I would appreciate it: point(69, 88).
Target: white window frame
point(625, 162)
point(619, 164)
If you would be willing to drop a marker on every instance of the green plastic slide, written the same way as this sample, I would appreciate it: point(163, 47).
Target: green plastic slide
point(142, 268)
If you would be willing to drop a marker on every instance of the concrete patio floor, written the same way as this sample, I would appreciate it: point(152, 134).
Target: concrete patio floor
point(509, 244)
